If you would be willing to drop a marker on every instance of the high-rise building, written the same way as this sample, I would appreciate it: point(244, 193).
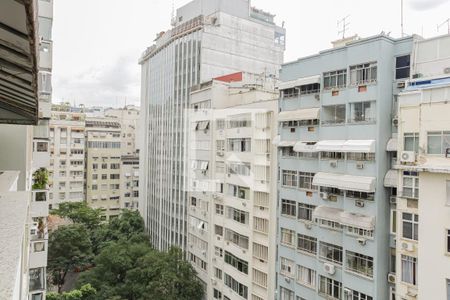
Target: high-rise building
point(67, 162)
point(232, 181)
point(336, 118)
point(129, 182)
point(129, 120)
point(25, 97)
point(103, 156)
point(207, 39)
point(421, 215)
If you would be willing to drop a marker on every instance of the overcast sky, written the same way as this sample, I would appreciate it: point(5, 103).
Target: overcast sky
point(97, 43)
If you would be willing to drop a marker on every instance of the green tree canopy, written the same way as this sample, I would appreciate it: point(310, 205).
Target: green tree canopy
point(79, 212)
point(69, 248)
point(86, 292)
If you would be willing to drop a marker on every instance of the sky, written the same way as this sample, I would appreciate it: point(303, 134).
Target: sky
point(97, 43)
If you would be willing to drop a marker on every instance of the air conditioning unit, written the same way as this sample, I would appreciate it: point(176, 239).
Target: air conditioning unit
point(391, 278)
point(407, 157)
point(407, 246)
point(317, 97)
point(447, 70)
point(393, 200)
point(219, 153)
point(332, 198)
point(333, 163)
point(329, 268)
point(215, 196)
point(308, 225)
point(262, 208)
point(360, 165)
point(287, 279)
point(213, 281)
point(401, 85)
point(395, 121)
point(34, 229)
point(418, 75)
point(359, 203)
point(323, 195)
point(361, 241)
point(411, 292)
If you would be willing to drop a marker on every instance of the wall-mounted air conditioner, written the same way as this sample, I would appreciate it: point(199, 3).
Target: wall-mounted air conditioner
point(329, 268)
point(407, 157)
point(407, 246)
point(391, 278)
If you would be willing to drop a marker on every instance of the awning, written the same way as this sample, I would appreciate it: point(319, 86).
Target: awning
point(330, 146)
point(276, 140)
point(391, 178)
point(327, 213)
point(363, 146)
point(357, 220)
point(202, 125)
point(392, 145)
point(345, 182)
point(203, 165)
point(298, 115)
point(299, 82)
point(305, 147)
point(286, 144)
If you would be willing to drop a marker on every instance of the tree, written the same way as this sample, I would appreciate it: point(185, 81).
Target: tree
point(86, 292)
point(69, 249)
point(136, 271)
point(79, 212)
point(40, 179)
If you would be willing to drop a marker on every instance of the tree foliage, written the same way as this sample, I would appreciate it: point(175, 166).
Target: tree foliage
point(79, 212)
point(86, 292)
point(69, 249)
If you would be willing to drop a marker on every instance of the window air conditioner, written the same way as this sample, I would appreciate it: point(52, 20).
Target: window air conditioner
point(359, 203)
point(395, 121)
point(407, 246)
point(401, 85)
point(287, 279)
point(360, 165)
point(407, 157)
point(323, 195)
point(391, 278)
point(361, 241)
point(308, 225)
point(317, 97)
point(329, 268)
point(333, 163)
point(393, 199)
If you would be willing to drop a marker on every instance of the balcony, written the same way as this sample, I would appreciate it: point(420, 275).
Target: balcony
point(45, 55)
point(42, 130)
point(41, 155)
point(45, 108)
point(38, 254)
point(39, 203)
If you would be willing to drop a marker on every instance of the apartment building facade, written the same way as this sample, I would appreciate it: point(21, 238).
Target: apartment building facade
point(67, 162)
point(335, 122)
point(129, 119)
point(421, 218)
point(205, 41)
point(231, 233)
point(103, 161)
point(25, 94)
point(129, 182)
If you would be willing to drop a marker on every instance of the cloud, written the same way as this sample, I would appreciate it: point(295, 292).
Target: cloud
point(426, 4)
point(101, 85)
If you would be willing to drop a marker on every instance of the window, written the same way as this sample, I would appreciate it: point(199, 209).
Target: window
point(286, 294)
point(307, 243)
point(335, 79)
point(289, 178)
point(114, 186)
point(330, 252)
point(332, 155)
point(306, 276)
point(237, 215)
point(363, 73)
point(290, 93)
point(217, 294)
point(114, 166)
point(261, 225)
point(448, 240)
point(104, 166)
point(239, 121)
point(287, 237)
point(239, 191)
point(236, 238)
point(236, 286)
point(114, 176)
point(359, 263)
point(260, 251)
point(359, 195)
point(410, 185)
point(94, 176)
point(218, 230)
point(239, 169)
point(409, 269)
point(359, 232)
point(359, 156)
point(287, 267)
point(95, 166)
point(218, 251)
point(219, 209)
point(330, 287)
point(448, 289)
point(410, 224)
point(411, 142)
point(260, 278)
point(354, 295)
point(104, 176)
point(239, 145)
point(288, 208)
point(220, 145)
point(287, 152)
point(305, 180)
point(362, 112)
point(305, 211)
point(438, 142)
point(94, 187)
point(237, 263)
point(37, 279)
point(333, 114)
point(402, 66)
point(220, 123)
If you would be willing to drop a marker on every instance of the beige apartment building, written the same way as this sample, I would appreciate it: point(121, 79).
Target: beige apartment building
point(67, 150)
point(232, 181)
point(103, 160)
point(129, 119)
point(129, 182)
point(421, 220)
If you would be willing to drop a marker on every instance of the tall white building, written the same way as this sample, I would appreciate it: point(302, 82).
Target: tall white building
point(129, 120)
point(67, 163)
point(232, 207)
point(25, 97)
point(207, 39)
point(421, 219)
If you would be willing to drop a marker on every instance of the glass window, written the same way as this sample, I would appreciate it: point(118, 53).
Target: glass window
point(305, 180)
point(330, 287)
point(363, 73)
point(330, 252)
point(438, 142)
point(362, 112)
point(236, 262)
point(289, 178)
point(409, 269)
point(335, 79)
point(305, 211)
point(288, 208)
point(287, 237)
point(306, 243)
point(306, 276)
point(286, 294)
point(402, 66)
point(410, 226)
point(287, 267)
point(37, 279)
point(359, 263)
point(410, 185)
point(411, 142)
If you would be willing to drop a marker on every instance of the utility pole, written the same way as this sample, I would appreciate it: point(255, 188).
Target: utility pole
point(343, 22)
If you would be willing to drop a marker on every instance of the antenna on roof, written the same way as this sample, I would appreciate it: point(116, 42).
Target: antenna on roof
point(443, 23)
point(401, 18)
point(343, 22)
point(172, 14)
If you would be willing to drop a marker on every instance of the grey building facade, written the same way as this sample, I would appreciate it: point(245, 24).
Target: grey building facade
point(336, 119)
